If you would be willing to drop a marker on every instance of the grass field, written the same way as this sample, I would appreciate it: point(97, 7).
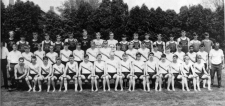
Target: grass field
point(112, 98)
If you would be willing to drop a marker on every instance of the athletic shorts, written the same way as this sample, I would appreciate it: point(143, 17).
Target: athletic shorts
point(45, 75)
point(138, 74)
point(111, 74)
point(19, 75)
point(163, 75)
point(78, 63)
point(200, 75)
point(86, 75)
point(99, 74)
point(33, 75)
point(125, 74)
point(64, 63)
point(151, 74)
point(57, 75)
point(71, 75)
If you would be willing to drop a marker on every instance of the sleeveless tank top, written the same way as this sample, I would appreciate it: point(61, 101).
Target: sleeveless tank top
point(58, 47)
point(21, 46)
point(184, 44)
point(172, 47)
point(72, 44)
point(148, 44)
point(160, 46)
point(124, 46)
point(136, 44)
point(46, 46)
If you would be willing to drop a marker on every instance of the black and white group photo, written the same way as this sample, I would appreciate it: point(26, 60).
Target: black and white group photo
point(112, 53)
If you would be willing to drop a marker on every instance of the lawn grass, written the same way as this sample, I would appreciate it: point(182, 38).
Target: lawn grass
point(112, 98)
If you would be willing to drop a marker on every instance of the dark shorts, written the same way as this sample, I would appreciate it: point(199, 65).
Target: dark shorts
point(125, 74)
point(200, 75)
point(19, 75)
point(45, 75)
point(163, 75)
point(151, 74)
point(64, 63)
point(111, 74)
point(175, 76)
point(57, 75)
point(86, 75)
point(138, 74)
point(78, 63)
point(99, 74)
point(71, 75)
point(33, 75)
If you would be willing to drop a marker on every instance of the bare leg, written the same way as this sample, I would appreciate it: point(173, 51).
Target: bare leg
point(75, 84)
point(49, 82)
point(65, 84)
point(92, 84)
point(104, 82)
point(28, 83)
point(130, 83)
point(194, 84)
point(108, 83)
point(96, 84)
point(61, 83)
point(168, 83)
point(35, 82)
point(182, 82)
point(39, 84)
point(204, 83)
point(116, 84)
point(121, 83)
point(148, 84)
point(53, 84)
point(172, 80)
point(209, 83)
point(144, 84)
point(80, 84)
point(134, 84)
point(198, 84)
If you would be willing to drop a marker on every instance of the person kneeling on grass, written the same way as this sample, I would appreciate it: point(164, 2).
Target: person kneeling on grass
point(84, 71)
point(112, 66)
point(176, 68)
point(21, 70)
point(163, 73)
point(34, 73)
point(71, 71)
point(199, 68)
point(151, 67)
point(138, 68)
point(58, 74)
point(99, 67)
point(187, 68)
point(46, 72)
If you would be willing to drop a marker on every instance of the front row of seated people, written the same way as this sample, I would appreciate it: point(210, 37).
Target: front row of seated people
point(162, 71)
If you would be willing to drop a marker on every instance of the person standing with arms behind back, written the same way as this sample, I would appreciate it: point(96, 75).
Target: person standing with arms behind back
point(13, 58)
point(10, 41)
point(4, 54)
point(184, 41)
point(207, 42)
point(216, 60)
point(195, 43)
point(85, 41)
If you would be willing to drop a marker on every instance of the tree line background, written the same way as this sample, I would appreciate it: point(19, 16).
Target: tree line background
point(112, 15)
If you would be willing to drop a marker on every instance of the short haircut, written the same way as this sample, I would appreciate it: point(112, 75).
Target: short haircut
point(21, 58)
point(58, 58)
point(86, 56)
point(175, 56)
point(45, 58)
point(202, 45)
point(138, 54)
point(78, 44)
point(66, 44)
point(163, 56)
point(99, 54)
point(142, 42)
point(118, 44)
point(124, 54)
point(154, 46)
point(206, 34)
point(33, 57)
point(151, 53)
point(27, 47)
point(71, 55)
point(191, 46)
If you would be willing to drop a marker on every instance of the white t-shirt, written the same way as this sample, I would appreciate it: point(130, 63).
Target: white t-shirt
point(86, 68)
point(52, 57)
point(66, 55)
point(78, 55)
point(199, 67)
point(151, 66)
point(192, 56)
point(98, 42)
point(27, 57)
point(163, 67)
point(92, 53)
point(157, 55)
point(14, 56)
point(112, 66)
point(180, 56)
point(216, 56)
point(46, 68)
point(204, 56)
point(175, 67)
point(144, 52)
point(71, 68)
point(99, 66)
point(119, 55)
point(105, 53)
point(131, 54)
point(112, 44)
point(125, 66)
point(186, 67)
point(138, 66)
point(40, 55)
point(58, 69)
point(169, 56)
point(34, 68)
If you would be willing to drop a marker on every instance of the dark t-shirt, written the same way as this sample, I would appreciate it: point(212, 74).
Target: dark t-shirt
point(34, 45)
point(85, 43)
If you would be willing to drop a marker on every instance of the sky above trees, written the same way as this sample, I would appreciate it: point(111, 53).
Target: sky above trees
point(164, 4)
